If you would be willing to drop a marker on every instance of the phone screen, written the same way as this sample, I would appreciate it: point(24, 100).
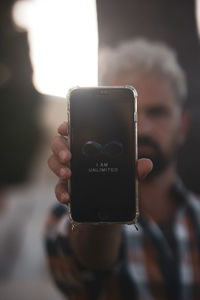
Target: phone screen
point(102, 143)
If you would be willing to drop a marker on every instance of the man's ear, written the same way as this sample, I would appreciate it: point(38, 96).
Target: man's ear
point(185, 125)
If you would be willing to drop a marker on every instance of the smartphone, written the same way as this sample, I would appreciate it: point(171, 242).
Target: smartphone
point(103, 141)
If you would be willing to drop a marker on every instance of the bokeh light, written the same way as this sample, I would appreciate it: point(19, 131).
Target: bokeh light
point(63, 42)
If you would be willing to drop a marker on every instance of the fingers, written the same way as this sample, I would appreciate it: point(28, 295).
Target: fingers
point(144, 167)
point(58, 163)
point(63, 129)
point(62, 171)
point(61, 156)
point(61, 191)
point(60, 149)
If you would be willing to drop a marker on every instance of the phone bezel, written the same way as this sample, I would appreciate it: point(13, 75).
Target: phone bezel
point(135, 96)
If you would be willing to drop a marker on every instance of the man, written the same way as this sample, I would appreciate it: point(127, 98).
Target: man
point(160, 260)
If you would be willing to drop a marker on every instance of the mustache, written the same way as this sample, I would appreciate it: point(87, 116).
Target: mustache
point(147, 141)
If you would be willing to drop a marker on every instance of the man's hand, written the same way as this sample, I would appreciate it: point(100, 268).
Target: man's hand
point(59, 161)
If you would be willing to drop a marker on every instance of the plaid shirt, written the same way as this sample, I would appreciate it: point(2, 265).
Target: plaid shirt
point(153, 264)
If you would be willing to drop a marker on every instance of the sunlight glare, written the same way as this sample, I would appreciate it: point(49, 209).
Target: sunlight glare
point(63, 41)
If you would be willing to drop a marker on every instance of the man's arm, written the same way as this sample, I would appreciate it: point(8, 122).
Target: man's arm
point(70, 276)
point(96, 247)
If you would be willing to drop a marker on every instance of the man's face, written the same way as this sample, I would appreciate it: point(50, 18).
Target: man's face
point(161, 127)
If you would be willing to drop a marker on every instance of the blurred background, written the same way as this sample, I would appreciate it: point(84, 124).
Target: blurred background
point(46, 47)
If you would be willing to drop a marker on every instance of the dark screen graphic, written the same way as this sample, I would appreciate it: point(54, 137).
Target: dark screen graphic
point(112, 149)
point(102, 146)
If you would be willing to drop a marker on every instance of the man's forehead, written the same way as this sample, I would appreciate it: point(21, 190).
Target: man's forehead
point(152, 89)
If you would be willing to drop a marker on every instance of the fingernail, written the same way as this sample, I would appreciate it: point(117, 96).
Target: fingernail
point(64, 197)
point(69, 173)
point(62, 125)
point(63, 155)
point(63, 172)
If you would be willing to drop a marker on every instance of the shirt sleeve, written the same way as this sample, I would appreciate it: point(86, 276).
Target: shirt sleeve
point(70, 277)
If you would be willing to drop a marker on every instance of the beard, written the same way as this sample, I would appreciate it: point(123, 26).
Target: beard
point(160, 160)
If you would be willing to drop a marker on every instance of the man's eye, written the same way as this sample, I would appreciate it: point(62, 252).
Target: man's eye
point(158, 112)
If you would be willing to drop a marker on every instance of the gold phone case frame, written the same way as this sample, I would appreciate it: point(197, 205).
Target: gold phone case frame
point(135, 120)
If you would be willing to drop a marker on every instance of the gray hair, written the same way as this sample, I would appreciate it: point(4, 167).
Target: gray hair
point(140, 57)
